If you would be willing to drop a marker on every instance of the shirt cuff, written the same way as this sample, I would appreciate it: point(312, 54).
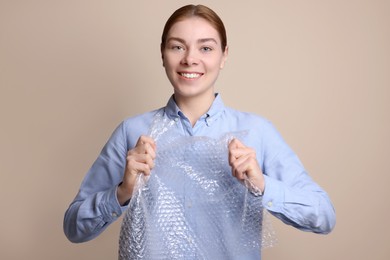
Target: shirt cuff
point(273, 196)
point(109, 207)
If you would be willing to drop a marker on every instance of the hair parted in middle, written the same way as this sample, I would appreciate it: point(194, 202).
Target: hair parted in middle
point(200, 11)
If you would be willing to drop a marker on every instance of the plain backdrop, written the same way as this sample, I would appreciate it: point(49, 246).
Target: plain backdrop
point(71, 71)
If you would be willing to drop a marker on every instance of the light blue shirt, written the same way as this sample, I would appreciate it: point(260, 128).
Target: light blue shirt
point(290, 194)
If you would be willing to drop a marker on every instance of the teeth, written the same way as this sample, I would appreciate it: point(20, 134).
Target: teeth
point(190, 75)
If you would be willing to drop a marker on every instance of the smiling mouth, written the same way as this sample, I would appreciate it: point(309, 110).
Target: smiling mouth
point(190, 75)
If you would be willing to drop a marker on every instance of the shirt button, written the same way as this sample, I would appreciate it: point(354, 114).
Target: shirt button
point(114, 214)
point(176, 119)
point(269, 203)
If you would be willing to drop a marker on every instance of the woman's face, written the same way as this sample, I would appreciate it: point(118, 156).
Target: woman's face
point(193, 57)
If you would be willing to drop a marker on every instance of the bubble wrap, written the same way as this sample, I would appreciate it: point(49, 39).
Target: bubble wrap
point(191, 206)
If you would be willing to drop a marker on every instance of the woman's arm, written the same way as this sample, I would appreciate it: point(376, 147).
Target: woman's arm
point(290, 193)
point(96, 205)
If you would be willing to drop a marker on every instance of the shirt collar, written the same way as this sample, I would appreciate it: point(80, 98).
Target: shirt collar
point(217, 107)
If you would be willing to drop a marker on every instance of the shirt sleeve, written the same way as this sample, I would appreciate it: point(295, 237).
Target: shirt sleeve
point(96, 206)
point(290, 193)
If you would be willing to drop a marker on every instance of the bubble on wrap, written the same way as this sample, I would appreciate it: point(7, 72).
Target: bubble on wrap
point(191, 205)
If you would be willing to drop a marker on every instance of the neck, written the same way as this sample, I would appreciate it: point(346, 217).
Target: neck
point(194, 107)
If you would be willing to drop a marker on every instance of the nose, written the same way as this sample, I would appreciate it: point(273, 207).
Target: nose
point(190, 58)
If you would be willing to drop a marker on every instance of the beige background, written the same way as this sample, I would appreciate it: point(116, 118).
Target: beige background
point(70, 71)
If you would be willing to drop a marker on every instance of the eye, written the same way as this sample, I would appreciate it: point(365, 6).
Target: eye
point(177, 47)
point(206, 49)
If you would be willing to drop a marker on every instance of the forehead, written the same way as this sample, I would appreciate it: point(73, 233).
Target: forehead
point(193, 28)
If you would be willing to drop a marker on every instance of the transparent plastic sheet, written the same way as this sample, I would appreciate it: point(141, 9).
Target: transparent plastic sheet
point(191, 205)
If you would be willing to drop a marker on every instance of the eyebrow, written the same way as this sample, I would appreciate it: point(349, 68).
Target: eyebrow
point(203, 40)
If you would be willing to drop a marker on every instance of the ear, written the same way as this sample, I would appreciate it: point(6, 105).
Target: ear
point(162, 58)
point(162, 55)
point(224, 57)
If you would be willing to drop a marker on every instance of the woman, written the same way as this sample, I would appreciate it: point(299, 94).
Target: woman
point(194, 50)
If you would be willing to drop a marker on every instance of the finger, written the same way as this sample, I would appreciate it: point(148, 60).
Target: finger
point(143, 139)
point(237, 153)
point(239, 167)
point(134, 159)
point(144, 148)
point(244, 166)
point(139, 164)
point(150, 150)
point(233, 145)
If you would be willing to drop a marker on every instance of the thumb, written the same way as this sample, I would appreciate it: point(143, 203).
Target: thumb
point(235, 143)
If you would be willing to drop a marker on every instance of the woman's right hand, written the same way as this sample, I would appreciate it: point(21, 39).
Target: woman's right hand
point(140, 159)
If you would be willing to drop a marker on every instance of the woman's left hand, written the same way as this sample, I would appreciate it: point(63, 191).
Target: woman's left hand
point(244, 164)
